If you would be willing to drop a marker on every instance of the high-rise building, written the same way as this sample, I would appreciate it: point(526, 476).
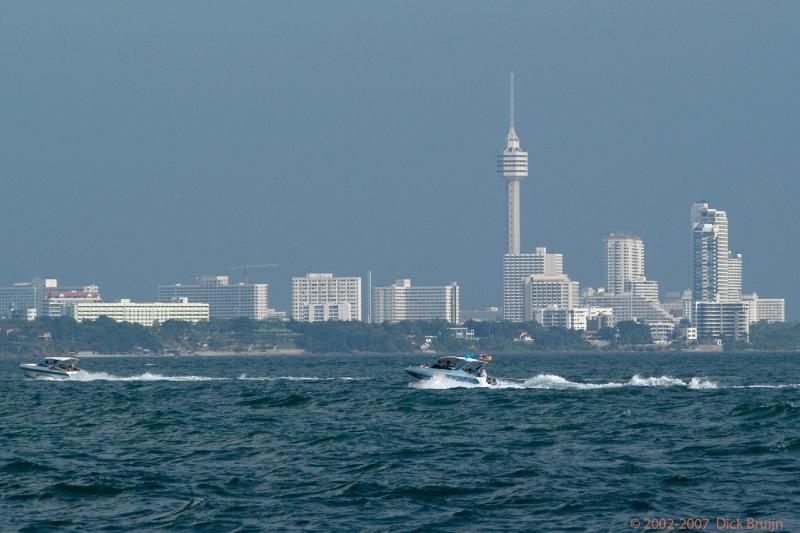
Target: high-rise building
point(512, 165)
point(17, 300)
point(719, 312)
point(717, 272)
point(516, 267)
point(321, 296)
point(402, 301)
point(242, 300)
point(734, 292)
point(624, 261)
point(545, 290)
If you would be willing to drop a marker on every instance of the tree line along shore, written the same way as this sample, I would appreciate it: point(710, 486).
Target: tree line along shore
point(48, 336)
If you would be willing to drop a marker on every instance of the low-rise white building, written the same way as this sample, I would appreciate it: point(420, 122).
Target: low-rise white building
point(56, 301)
point(764, 309)
point(144, 313)
point(628, 306)
point(722, 321)
point(554, 316)
point(661, 331)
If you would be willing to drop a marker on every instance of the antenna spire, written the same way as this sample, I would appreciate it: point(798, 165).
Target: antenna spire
point(511, 99)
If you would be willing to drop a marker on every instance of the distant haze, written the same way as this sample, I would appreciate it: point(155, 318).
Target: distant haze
point(148, 142)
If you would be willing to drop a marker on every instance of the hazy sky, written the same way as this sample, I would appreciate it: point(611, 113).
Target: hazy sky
point(148, 142)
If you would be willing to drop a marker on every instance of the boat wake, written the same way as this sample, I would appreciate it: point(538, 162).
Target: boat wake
point(84, 375)
point(553, 381)
point(245, 377)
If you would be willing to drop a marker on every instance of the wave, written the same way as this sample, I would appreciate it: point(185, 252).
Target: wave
point(554, 381)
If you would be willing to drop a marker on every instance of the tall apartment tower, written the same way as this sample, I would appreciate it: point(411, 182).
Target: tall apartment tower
point(226, 301)
point(517, 267)
point(512, 165)
point(322, 296)
point(717, 272)
point(624, 261)
point(402, 301)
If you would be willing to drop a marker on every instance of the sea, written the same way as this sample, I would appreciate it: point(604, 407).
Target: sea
point(564, 442)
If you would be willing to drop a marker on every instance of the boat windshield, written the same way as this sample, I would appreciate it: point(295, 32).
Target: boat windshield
point(468, 365)
point(62, 364)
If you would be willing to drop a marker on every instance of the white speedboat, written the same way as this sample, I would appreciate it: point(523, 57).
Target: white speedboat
point(467, 369)
point(51, 368)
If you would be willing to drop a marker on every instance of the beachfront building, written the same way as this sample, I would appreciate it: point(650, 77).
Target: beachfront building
point(722, 321)
point(554, 316)
point(144, 313)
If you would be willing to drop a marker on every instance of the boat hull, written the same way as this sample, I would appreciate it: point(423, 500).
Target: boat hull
point(422, 372)
point(42, 372)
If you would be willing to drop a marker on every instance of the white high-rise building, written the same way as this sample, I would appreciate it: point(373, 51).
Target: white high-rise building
point(517, 267)
point(402, 301)
point(624, 261)
point(321, 296)
point(717, 272)
point(545, 290)
point(242, 300)
point(734, 291)
point(512, 165)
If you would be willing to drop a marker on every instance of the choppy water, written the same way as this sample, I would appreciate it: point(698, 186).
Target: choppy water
point(564, 443)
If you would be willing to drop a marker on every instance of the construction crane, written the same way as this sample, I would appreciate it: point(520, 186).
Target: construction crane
point(247, 269)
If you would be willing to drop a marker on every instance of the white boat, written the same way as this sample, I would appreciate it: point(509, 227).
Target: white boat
point(51, 368)
point(467, 369)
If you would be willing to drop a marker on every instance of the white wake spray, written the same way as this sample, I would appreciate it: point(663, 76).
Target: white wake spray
point(553, 381)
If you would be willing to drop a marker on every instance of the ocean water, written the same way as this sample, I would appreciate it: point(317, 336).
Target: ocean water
point(563, 443)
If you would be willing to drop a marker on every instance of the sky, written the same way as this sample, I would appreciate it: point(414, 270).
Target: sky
point(145, 143)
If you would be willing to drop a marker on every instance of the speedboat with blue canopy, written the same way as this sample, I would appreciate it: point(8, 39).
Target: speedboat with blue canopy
point(469, 368)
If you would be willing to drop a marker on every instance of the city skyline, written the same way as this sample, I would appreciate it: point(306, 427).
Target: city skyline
point(126, 202)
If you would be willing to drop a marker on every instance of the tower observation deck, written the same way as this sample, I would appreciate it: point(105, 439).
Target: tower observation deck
point(512, 165)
